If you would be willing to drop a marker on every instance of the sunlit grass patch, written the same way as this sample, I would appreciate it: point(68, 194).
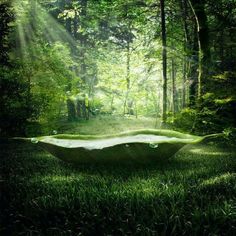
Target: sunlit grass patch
point(225, 178)
point(221, 184)
point(204, 151)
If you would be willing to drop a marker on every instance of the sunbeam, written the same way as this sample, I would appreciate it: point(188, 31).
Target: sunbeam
point(34, 23)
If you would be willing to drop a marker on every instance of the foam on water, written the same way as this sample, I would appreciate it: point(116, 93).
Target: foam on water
point(153, 140)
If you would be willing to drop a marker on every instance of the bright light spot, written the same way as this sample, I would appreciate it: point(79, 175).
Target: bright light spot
point(34, 140)
point(211, 153)
point(54, 132)
point(153, 145)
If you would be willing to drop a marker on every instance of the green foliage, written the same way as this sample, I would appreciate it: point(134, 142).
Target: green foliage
point(96, 106)
point(66, 48)
point(13, 102)
point(216, 110)
point(185, 119)
point(230, 136)
point(6, 18)
point(218, 105)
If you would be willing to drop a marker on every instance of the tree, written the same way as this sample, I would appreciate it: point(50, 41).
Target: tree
point(164, 59)
point(198, 8)
point(6, 17)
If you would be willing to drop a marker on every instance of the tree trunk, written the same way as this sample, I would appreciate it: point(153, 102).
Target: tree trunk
point(193, 72)
point(164, 60)
point(68, 19)
point(128, 67)
point(75, 25)
point(198, 8)
point(83, 41)
point(112, 101)
point(71, 110)
point(183, 6)
point(184, 80)
point(173, 75)
point(129, 101)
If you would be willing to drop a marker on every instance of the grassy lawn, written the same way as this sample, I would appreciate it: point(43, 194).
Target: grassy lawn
point(192, 194)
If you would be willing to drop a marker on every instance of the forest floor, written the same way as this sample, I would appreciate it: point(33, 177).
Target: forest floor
point(193, 193)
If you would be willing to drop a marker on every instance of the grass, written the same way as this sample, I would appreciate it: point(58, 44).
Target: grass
point(192, 194)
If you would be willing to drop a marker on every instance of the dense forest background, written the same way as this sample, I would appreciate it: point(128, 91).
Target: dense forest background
point(77, 59)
